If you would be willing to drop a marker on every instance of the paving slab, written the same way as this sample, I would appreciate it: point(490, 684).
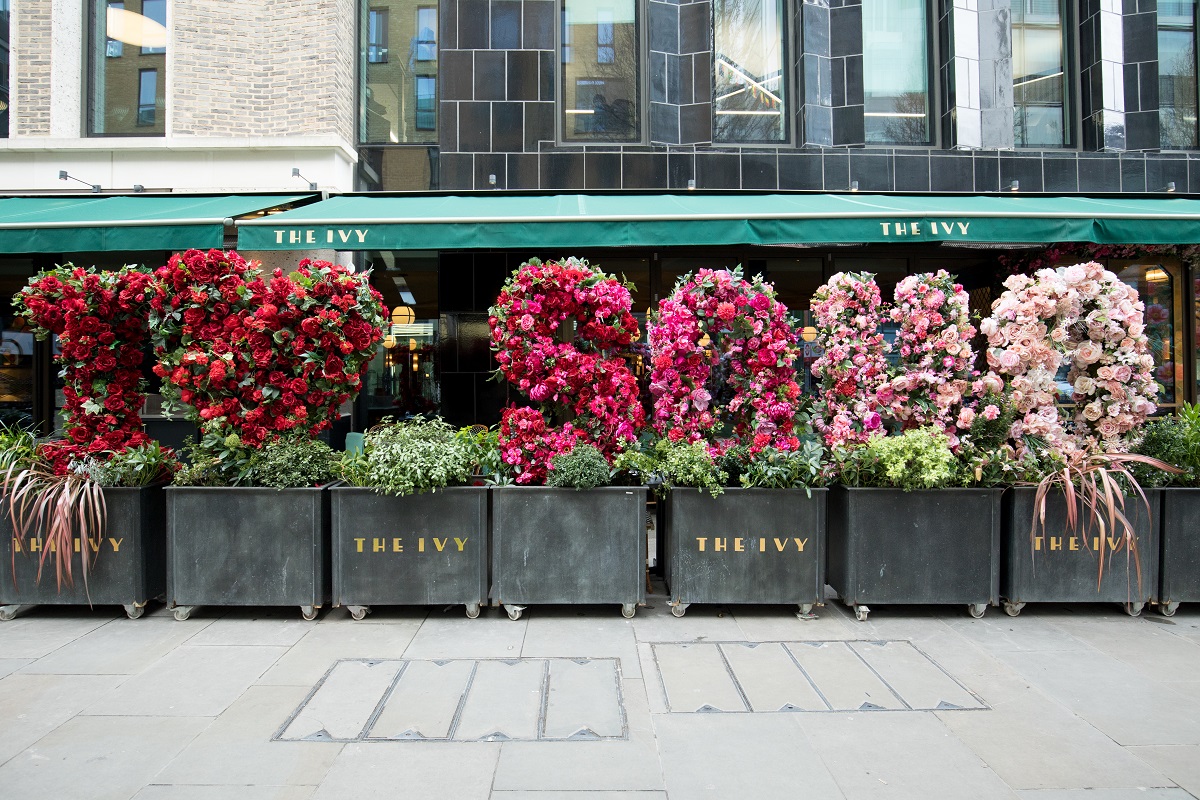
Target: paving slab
point(760, 756)
point(696, 677)
point(307, 661)
point(910, 674)
point(122, 647)
point(904, 754)
point(556, 634)
point(618, 766)
point(10, 665)
point(1152, 648)
point(113, 757)
point(583, 700)
point(1103, 794)
point(236, 750)
point(758, 623)
point(1033, 742)
point(579, 795)
point(443, 636)
point(41, 631)
point(32, 706)
point(702, 622)
point(1030, 632)
point(504, 701)
point(1180, 763)
point(182, 792)
point(344, 703)
point(770, 679)
point(462, 771)
point(255, 626)
point(189, 682)
point(424, 703)
point(844, 681)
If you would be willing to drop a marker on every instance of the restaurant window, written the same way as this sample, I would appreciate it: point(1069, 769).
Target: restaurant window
point(1177, 73)
point(749, 84)
point(398, 65)
point(16, 347)
point(896, 72)
point(125, 95)
point(1159, 288)
point(1039, 60)
point(4, 49)
point(600, 74)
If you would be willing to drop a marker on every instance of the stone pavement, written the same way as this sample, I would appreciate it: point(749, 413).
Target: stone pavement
point(1061, 703)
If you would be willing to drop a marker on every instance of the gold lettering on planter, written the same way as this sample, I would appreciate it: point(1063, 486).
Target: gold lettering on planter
point(1074, 543)
point(94, 545)
point(438, 544)
point(721, 544)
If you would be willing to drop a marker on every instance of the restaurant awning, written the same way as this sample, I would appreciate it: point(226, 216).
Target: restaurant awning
point(141, 222)
point(446, 222)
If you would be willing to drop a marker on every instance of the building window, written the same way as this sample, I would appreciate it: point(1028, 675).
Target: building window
point(398, 91)
point(749, 86)
point(601, 71)
point(4, 28)
point(377, 29)
point(1159, 288)
point(125, 95)
point(1177, 74)
point(1039, 74)
point(896, 72)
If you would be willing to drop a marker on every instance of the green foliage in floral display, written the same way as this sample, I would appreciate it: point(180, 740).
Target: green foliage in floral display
point(784, 469)
point(917, 459)
point(292, 462)
point(689, 464)
point(18, 447)
point(483, 445)
point(402, 458)
point(581, 467)
point(1174, 440)
point(217, 460)
point(134, 466)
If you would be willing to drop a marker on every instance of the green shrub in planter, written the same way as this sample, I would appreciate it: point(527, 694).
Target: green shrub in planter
point(581, 467)
point(403, 458)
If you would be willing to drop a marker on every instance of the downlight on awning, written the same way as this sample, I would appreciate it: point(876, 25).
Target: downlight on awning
point(451, 222)
point(142, 222)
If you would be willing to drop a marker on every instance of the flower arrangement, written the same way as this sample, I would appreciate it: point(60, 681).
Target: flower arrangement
point(557, 330)
point(936, 360)
point(1082, 315)
point(750, 355)
point(100, 320)
point(919, 458)
point(853, 366)
point(412, 457)
point(257, 356)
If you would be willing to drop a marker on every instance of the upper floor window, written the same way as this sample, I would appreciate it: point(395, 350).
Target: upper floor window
point(749, 81)
point(1177, 74)
point(1039, 60)
point(127, 58)
point(601, 79)
point(896, 72)
point(398, 85)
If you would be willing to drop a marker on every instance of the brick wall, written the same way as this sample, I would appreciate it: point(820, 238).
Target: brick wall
point(30, 59)
point(253, 68)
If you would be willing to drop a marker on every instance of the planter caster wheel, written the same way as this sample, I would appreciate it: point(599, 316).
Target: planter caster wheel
point(183, 612)
point(1012, 609)
point(309, 612)
point(1134, 609)
point(679, 609)
point(472, 610)
point(1169, 609)
point(135, 610)
point(628, 610)
point(514, 612)
point(977, 610)
point(806, 612)
point(862, 612)
point(10, 612)
point(357, 612)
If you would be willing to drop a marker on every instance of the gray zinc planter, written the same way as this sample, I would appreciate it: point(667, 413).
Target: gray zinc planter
point(243, 546)
point(925, 546)
point(129, 570)
point(746, 546)
point(1179, 567)
point(1060, 567)
point(568, 546)
point(422, 549)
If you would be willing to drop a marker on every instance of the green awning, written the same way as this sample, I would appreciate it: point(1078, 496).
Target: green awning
point(448, 222)
point(140, 222)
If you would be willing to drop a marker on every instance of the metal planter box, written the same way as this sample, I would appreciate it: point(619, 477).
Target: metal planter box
point(242, 546)
point(746, 546)
point(1179, 567)
point(1058, 567)
point(423, 549)
point(568, 546)
point(925, 546)
point(129, 570)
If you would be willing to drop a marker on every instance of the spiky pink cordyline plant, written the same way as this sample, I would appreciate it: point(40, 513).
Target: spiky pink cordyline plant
point(59, 508)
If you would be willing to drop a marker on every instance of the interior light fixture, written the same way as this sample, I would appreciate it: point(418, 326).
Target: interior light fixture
point(312, 186)
point(809, 333)
point(1157, 275)
point(389, 341)
point(133, 28)
point(63, 176)
point(403, 315)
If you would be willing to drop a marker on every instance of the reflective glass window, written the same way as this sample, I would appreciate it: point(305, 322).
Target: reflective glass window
point(399, 67)
point(600, 71)
point(1177, 73)
point(4, 68)
point(750, 90)
point(1159, 288)
point(1039, 74)
point(127, 57)
point(896, 72)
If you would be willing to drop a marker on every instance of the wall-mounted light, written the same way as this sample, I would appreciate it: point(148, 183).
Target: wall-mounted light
point(492, 180)
point(1015, 186)
point(809, 333)
point(1170, 187)
point(403, 315)
point(691, 184)
point(854, 186)
point(138, 188)
point(312, 185)
point(63, 176)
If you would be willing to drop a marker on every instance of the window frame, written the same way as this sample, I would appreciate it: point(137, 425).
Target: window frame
point(790, 94)
point(642, 86)
point(1195, 33)
point(933, 88)
point(153, 105)
point(96, 43)
point(1072, 85)
point(380, 44)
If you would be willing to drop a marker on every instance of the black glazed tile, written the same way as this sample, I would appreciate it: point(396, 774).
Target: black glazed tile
point(664, 27)
point(874, 172)
point(474, 24)
point(818, 125)
point(848, 125)
point(562, 171)
point(1061, 173)
point(951, 173)
point(1141, 37)
point(702, 77)
point(447, 348)
point(602, 170)
point(644, 170)
point(489, 75)
point(718, 171)
point(1161, 170)
point(760, 171)
point(523, 171)
point(489, 276)
point(522, 79)
point(854, 80)
point(506, 24)
point(1148, 86)
point(539, 125)
point(508, 127)
point(1132, 100)
point(456, 70)
point(836, 171)
point(1026, 170)
point(1193, 176)
point(695, 123)
point(837, 82)
point(664, 123)
point(456, 285)
point(448, 25)
point(987, 172)
point(488, 164)
point(673, 88)
point(546, 75)
point(801, 171)
point(474, 350)
point(458, 398)
point(475, 127)
point(448, 127)
point(491, 397)
point(538, 27)
point(681, 168)
point(845, 31)
point(456, 171)
point(912, 172)
point(694, 27)
point(657, 63)
point(1142, 130)
point(815, 29)
point(1133, 172)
